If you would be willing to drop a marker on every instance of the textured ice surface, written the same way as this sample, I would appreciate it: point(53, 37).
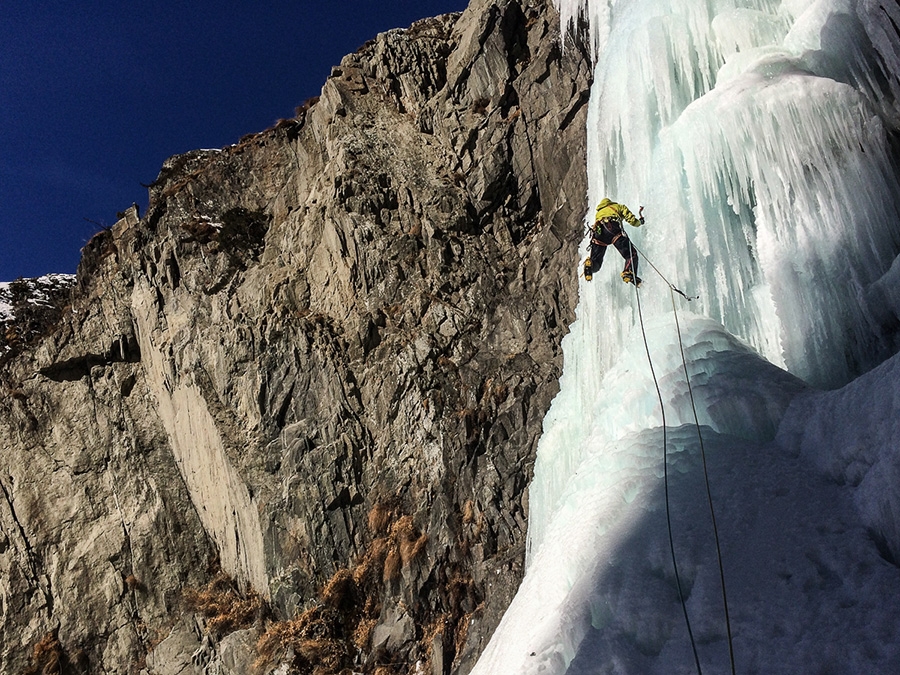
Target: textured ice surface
point(806, 553)
point(757, 134)
point(853, 436)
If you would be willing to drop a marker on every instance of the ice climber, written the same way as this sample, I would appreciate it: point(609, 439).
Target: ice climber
point(607, 231)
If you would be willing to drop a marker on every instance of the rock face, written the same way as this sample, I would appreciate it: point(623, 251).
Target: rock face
point(319, 363)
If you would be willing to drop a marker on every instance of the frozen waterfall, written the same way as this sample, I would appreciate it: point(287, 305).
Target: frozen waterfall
point(762, 139)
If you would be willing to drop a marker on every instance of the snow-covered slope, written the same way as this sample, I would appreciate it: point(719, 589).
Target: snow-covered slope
point(759, 137)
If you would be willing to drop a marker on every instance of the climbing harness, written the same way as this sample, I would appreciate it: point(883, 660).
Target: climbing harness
point(600, 243)
point(672, 290)
point(612, 226)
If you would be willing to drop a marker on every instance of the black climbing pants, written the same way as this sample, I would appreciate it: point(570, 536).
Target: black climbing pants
point(610, 233)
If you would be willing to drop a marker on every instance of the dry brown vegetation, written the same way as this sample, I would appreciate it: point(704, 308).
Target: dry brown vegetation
point(134, 584)
point(407, 539)
point(304, 107)
point(333, 635)
point(223, 606)
point(49, 658)
point(314, 638)
point(327, 638)
point(494, 392)
point(379, 517)
point(480, 106)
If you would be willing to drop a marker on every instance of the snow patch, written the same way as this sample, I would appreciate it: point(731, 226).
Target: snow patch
point(34, 291)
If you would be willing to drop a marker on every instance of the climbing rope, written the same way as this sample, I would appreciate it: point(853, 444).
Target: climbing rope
point(712, 513)
point(662, 410)
point(671, 286)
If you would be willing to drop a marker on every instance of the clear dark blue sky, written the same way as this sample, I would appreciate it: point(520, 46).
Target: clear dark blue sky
point(94, 95)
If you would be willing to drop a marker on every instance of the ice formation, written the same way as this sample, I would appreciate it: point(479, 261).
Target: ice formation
point(761, 138)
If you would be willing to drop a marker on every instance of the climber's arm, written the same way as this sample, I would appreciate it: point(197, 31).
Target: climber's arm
point(629, 216)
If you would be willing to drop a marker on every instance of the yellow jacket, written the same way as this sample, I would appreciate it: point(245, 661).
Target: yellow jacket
point(609, 209)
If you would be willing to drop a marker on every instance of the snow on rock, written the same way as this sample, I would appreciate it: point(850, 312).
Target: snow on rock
point(26, 304)
point(758, 137)
point(6, 309)
point(35, 291)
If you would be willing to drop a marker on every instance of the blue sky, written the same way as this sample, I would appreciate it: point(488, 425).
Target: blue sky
point(94, 96)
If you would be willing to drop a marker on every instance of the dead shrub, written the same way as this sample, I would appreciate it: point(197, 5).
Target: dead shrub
point(47, 656)
point(462, 633)
point(446, 363)
point(406, 540)
point(494, 391)
point(327, 637)
point(393, 311)
point(134, 584)
point(437, 627)
point(480, 105)
point(411, 548)
point(304, 107)
point(371, 563)
point(461, 593)
point(363, 633)
point(392, 565)
point(222, 605)
point(479, 526)
point(468, 512)
point(202, 230)
point(322, 652)
point(11, 335)
point(340, 591)
point(315, 638)
point(380, 517)
point(403, 530)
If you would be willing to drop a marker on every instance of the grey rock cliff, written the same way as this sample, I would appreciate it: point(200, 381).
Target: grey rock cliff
point(323, 351)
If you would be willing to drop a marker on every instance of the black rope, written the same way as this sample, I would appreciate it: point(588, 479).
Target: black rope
point(712, 512)
point(661, 276)
point(662, 410)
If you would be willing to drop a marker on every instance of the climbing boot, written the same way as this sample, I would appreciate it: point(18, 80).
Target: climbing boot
point(587, 270)
point(629, 278)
